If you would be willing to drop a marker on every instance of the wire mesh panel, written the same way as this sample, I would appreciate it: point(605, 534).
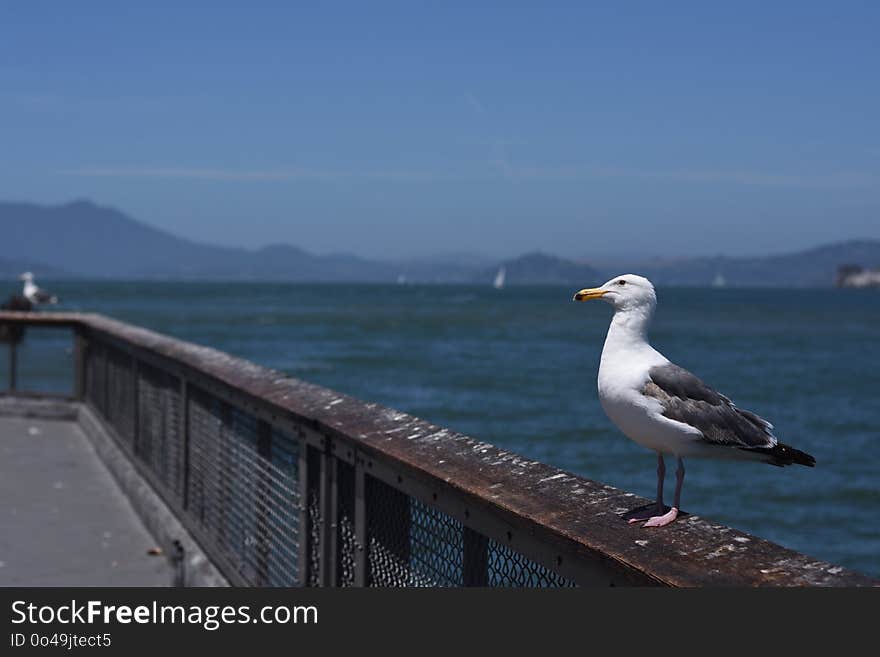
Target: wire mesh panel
point(508, 567)
point(436, 546)
point(160, 431)
point(282, 511)
point(120, 409)
point(221, 495)
point(243, 492)
point(410, 543)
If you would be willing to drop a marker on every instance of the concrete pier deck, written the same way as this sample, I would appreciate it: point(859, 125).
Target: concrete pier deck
point(64, 521)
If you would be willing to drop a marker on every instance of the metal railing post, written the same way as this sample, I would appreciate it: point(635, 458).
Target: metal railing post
point(361, 563)
point(475, 566)
point(136, 420)
point(13, 365)
point(328, 518)
point(105, 393)
point(333, 523)
point(80, 345)
point(305, 528)
point(184, 429)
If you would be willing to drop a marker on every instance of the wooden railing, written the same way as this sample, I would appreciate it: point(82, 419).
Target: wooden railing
point(286, 483)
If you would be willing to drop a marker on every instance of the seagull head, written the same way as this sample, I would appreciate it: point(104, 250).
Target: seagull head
point(26, 276)
point(626, 292)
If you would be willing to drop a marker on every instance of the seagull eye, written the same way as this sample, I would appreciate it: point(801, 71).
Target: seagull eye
point(621, 282)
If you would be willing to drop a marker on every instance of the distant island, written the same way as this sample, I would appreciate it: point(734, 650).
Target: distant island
point(85, 240)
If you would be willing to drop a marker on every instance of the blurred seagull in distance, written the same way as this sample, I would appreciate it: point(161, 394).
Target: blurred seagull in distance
point(34, 294)
point(664, 407)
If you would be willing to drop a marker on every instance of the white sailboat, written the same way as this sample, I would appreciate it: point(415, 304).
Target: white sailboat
point(498, 283)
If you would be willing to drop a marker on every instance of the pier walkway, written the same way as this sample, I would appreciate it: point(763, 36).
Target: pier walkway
point(64, 519)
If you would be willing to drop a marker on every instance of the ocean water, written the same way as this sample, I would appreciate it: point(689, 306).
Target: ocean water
point(517, 368)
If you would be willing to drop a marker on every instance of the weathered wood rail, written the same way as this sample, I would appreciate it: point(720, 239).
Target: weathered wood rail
point(287, 483)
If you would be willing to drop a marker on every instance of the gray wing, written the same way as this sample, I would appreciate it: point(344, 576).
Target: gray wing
point(685, 398)
point(44, 297)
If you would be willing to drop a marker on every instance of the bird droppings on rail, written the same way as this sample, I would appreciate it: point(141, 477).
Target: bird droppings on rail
point(641, 542)
point(561, 475)
point(724, 549)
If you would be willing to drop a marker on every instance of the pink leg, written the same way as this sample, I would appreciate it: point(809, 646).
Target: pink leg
point(672, 514)
point(645, 514)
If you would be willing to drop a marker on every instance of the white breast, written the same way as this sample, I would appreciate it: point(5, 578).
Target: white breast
point(30, 290)
point(623, 374)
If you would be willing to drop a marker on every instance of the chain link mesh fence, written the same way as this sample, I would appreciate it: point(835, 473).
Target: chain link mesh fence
point(160, 427)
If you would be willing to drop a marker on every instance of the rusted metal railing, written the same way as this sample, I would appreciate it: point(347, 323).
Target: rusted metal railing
point(286, 483)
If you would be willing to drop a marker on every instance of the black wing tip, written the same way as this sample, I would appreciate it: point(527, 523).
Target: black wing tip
point(782, 455)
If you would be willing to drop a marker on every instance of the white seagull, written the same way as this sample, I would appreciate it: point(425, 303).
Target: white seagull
point(34, 294)
point(664, 407)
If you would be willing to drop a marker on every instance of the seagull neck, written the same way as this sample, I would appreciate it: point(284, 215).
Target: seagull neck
point(629, 329)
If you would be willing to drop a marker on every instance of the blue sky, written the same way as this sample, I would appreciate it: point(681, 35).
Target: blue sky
point(410, 128)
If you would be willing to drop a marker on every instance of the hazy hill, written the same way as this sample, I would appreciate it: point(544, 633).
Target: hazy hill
point(89, 240)
point(443, 268)
point(812, 268)
point(540, 268)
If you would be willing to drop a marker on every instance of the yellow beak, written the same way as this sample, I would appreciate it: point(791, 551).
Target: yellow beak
point(590, 293)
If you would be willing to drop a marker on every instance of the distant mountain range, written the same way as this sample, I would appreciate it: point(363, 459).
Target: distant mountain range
point(81, 239)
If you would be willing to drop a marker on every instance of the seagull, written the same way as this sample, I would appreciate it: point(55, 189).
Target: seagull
point(34, 294)
point(665, 408)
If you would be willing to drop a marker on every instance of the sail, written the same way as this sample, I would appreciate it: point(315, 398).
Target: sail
point(499, 278)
